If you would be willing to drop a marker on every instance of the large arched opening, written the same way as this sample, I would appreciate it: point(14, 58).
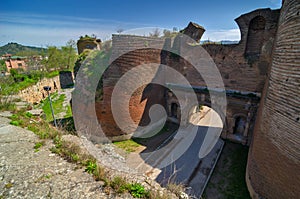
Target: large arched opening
point(204, 115)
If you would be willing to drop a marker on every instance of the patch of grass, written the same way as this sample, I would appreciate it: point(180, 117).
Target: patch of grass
point(28, 115)
point(38, 145)
point(51, 74)
point(119, 184)
point(70, 151)
point(100, 174)
point(128, 145)
point(16, 122)
point(228, 178)
point(33, 123)
point(57, 104)
point(237, 187)
point(69, 111)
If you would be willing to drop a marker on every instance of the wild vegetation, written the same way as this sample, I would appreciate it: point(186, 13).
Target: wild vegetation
point(19, 80)
point(228, 178)
point(73, 153)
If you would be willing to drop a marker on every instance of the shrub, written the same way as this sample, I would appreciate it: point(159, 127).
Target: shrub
point(137, 190)
point(15, 123)
point(38, 145)
point(91, 167)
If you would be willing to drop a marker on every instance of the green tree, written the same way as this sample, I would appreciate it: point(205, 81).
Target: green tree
point(69, 55)
point(2, 65)
point(54, 58)
point(155, 33)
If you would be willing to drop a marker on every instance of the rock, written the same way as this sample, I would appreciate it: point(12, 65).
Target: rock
point(4, 121)
point(5, 114)
point(36, 112)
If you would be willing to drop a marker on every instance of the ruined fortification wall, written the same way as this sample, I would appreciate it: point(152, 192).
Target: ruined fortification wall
point(239, 70)
point(244, 66)
point(274, 157)
point(88, 43)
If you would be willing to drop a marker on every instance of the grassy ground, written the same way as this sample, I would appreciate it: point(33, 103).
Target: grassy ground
point(228, 178)
point(58, 108)
point(128, 145)
point(134, 144)
point(57, 104)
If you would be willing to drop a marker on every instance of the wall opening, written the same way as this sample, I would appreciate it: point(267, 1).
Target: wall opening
point(255, 36)
point(174, 110)
point(239, 126)
point(205, 116)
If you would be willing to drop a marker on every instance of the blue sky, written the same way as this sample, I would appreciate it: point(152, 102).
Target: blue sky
point(54, 22)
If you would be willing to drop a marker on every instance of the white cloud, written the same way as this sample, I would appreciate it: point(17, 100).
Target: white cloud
point(218, 35)
point(42, 30)
point(37, 30)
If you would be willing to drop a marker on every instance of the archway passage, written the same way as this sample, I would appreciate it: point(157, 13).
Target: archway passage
point(205, 116)
point(255, 36)
point(240, 126)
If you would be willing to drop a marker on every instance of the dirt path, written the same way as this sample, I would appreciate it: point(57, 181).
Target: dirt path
point(26, 173)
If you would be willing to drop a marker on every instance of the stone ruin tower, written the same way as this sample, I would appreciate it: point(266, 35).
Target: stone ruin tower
point(274, 158)
point(88, 42)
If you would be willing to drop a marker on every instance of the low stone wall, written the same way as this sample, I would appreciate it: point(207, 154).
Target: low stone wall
point(36, 93)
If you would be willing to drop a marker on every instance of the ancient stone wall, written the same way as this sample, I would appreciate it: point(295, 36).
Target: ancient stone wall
point(36, 93)
point(274, 156)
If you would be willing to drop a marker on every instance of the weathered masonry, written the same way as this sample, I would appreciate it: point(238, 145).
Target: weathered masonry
point(243, 67)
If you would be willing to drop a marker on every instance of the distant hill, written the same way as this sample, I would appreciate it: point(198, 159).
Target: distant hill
point(224, 42)
point(15, 48)
point(229, 42)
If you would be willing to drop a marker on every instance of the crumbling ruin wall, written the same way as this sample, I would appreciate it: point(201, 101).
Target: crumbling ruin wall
point(274, 156)
point(88, 43)
point(36, 93)
point(241, 69)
